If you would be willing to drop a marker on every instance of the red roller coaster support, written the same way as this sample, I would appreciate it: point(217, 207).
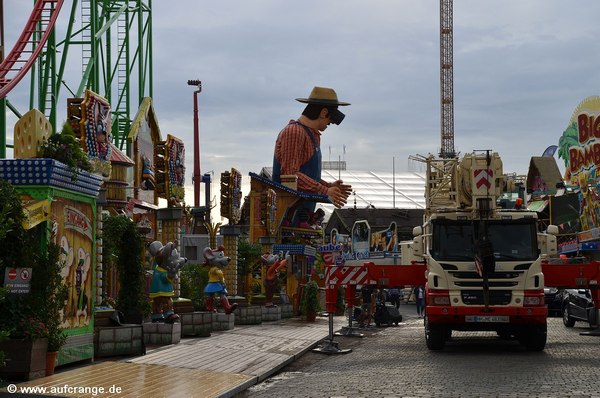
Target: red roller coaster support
point(26, 50)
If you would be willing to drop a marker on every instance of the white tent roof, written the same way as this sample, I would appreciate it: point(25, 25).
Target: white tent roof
point(376, 189)
point(381, 190)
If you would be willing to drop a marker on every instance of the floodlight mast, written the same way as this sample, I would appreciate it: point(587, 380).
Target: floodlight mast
point(196, 178)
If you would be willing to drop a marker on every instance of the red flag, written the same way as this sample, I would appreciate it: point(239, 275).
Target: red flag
point(478, 266)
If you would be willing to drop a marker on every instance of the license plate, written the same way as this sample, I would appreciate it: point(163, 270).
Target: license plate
point(487, 318)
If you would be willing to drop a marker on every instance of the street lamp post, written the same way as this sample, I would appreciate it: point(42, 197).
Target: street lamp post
point(196, 178)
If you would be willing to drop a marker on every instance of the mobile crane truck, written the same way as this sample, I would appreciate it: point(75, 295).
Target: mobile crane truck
point(483, 262)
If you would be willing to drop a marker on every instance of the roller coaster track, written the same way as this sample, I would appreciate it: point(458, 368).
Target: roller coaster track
point(27, 48)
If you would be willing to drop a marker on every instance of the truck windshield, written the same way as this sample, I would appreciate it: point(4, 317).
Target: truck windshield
point(512, 240)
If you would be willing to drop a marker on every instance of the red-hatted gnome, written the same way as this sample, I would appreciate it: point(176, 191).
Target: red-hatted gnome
point(273, 263)
point(217, 260)
point(167, 263)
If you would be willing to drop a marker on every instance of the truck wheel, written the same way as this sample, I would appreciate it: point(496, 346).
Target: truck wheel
point(434, 336)
point(567, 320)
point(535, 340)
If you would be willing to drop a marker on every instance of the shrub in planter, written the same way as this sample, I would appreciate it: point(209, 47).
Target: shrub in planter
point(67, 149)
point(248, 264)
point(123, 248)
point(4, 331)
point(309, 303)
point(193, 278)
point(49, 294)
point(28, 320)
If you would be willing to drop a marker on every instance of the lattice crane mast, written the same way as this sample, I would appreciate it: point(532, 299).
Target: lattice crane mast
point(446, 80)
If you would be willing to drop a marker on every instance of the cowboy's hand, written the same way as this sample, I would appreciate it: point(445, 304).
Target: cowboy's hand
point(336, 196)
point(346, 188)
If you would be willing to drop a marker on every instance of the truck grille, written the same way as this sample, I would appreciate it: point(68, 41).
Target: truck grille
point(493, 275)
point(465, 279)
point(490, 283)
point(497, 297)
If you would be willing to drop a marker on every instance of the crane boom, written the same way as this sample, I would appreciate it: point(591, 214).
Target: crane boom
point(446, 80)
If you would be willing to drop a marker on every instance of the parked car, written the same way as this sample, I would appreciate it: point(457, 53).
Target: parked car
point(577, 305)
point(553, 299)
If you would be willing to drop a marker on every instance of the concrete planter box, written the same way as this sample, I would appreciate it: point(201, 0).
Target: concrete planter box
point(248, 315)
point(196, 324)
point(222, 321)
point(25, 359)
point(118, 340)
point(270, 314)
point(161, 333)
point(287, 311)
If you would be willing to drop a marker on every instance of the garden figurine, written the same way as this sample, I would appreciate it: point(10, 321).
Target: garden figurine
point(167, 263)
point(273, 263)
point(217, 260)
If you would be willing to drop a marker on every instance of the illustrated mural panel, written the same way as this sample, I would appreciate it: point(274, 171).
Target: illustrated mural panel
point(175, 160)
point(385, 240)
point(96, 127)
point(72, 222)
point(145, 162)
point(580, 150)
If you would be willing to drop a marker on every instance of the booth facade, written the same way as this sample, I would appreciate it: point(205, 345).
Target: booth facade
point(69, 221)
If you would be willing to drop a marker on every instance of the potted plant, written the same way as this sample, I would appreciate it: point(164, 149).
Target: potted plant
point(310, 303)
point(25, 349)
point(49, 296)
point(66, 148)
point(56, 339)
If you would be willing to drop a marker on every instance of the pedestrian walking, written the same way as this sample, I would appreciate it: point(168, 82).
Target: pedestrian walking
point(419, 293)
point(367, 293)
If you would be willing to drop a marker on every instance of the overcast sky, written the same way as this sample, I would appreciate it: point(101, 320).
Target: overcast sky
point(520, 69)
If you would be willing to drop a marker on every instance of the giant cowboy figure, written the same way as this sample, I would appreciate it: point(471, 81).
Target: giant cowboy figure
point(298, 150)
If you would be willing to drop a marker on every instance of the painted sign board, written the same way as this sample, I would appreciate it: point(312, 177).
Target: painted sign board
point(96, 127)
point(74, 235)
point(579, 147)
point(36, 212)
point(386, 240)
point(17, 280)
point(361, 237)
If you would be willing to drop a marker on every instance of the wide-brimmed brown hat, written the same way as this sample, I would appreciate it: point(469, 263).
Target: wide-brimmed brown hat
point(323, 96)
